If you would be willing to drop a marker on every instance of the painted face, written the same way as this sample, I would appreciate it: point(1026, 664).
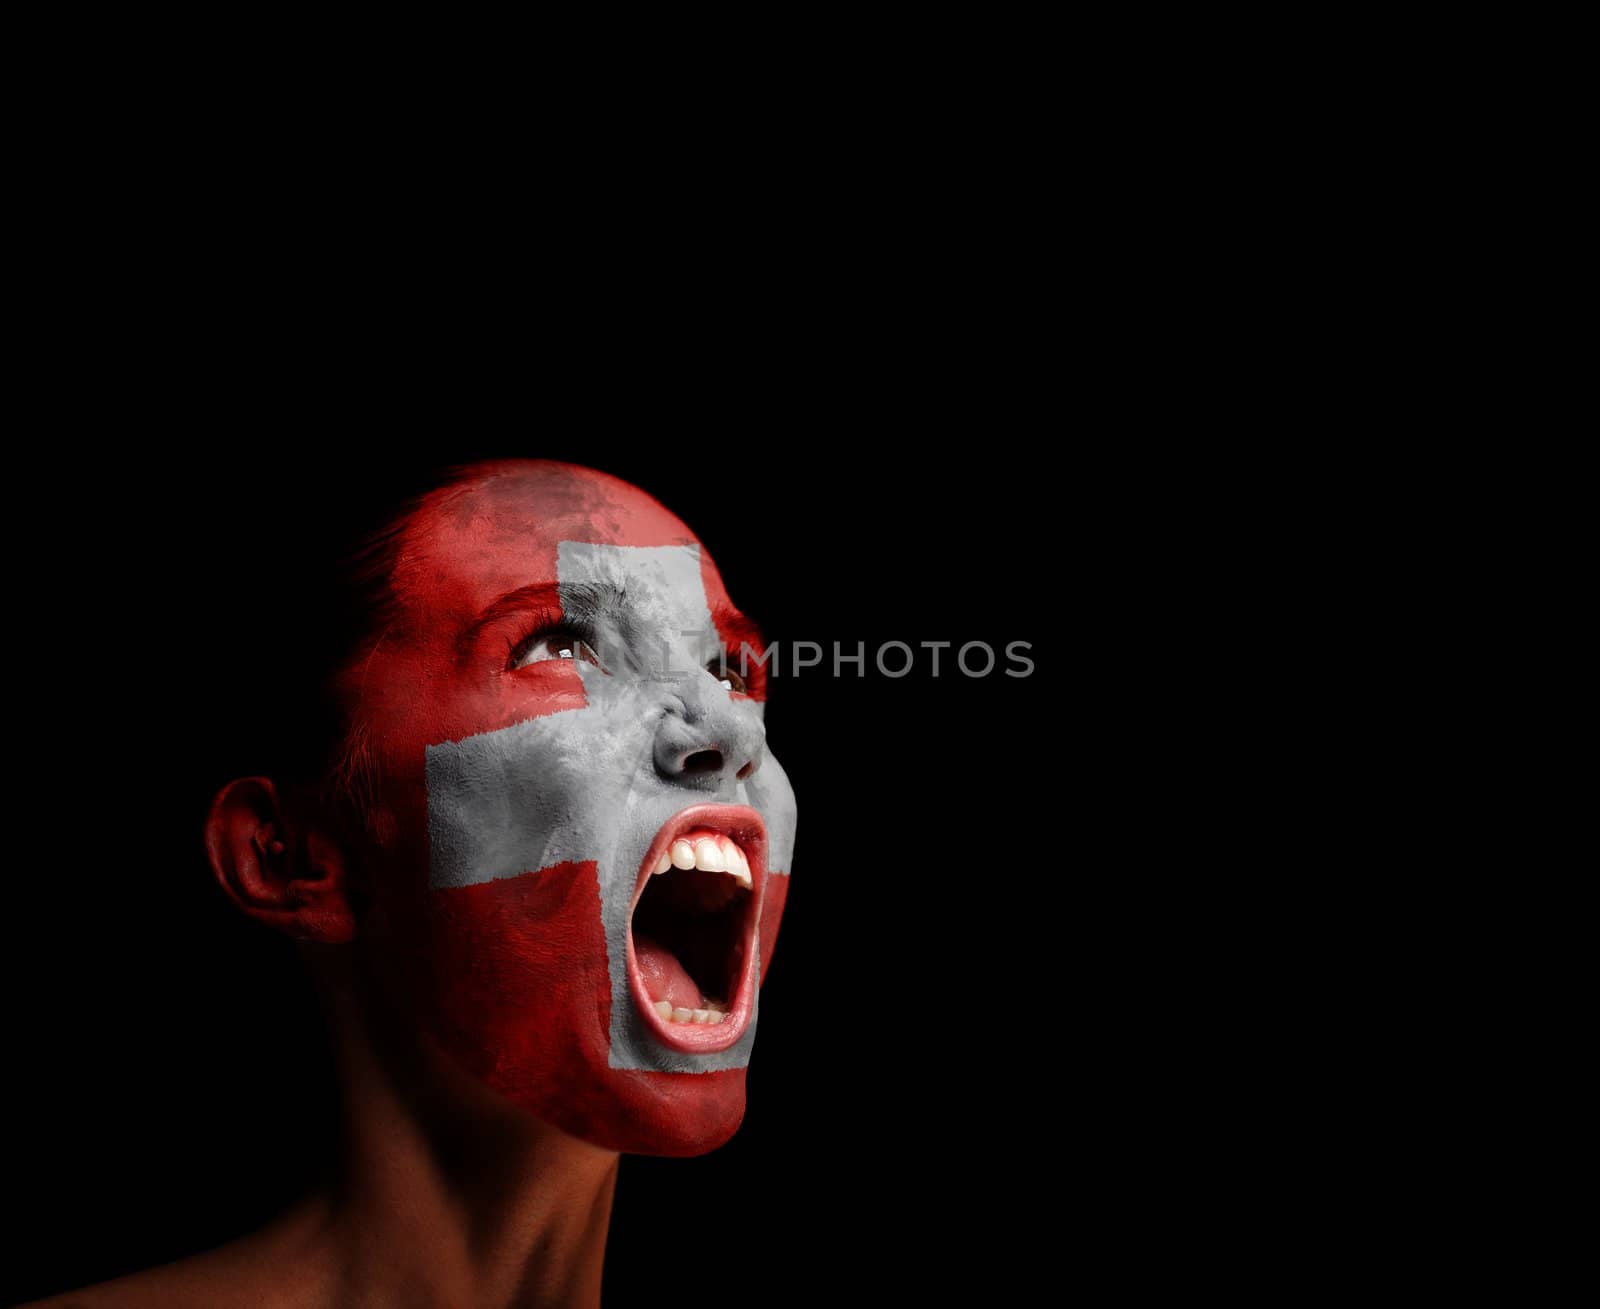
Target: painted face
point(582, 843)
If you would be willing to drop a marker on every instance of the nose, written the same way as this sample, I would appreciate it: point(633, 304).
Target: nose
point(706, 739)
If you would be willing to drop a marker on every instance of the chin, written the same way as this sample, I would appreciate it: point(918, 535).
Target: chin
point(562, 1076)
point(668, 1114)
point(516, 989)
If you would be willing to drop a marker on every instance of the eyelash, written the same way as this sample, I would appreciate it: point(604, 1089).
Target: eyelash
point(548, 625)
point(545, 627)
point(754, 677)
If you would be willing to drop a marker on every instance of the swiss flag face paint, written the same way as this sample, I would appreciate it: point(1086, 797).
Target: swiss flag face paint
point(552, 740)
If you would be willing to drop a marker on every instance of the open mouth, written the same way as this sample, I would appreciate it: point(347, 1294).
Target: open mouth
point(692, 934)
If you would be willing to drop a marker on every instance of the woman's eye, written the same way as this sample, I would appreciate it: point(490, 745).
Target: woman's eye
point(557, 646)
point(729, 676)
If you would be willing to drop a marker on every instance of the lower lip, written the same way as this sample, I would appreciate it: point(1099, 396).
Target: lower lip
point(743, 825)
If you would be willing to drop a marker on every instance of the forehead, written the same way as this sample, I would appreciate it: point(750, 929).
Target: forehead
point(505, 527)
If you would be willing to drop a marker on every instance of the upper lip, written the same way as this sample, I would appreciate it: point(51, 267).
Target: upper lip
point(745, 827)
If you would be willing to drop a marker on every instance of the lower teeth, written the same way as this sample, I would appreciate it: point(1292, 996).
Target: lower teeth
point(669, 1014)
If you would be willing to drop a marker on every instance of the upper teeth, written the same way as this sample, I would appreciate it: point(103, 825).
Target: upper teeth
point(713, 853)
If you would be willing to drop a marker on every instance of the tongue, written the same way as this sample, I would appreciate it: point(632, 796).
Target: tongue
point(664, 977)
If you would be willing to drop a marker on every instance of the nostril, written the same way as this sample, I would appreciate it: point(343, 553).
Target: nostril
point(746, 770)
point(703, 761)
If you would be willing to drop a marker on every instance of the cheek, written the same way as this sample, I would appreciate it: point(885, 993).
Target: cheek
point(517, 992)
point(404, 724)
point(772, 903)
point(774, 798)
point(516, 971)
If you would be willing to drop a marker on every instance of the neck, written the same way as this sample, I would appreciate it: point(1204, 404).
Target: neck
point(447, 1194)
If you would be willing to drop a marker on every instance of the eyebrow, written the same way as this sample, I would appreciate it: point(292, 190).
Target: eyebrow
point(737, 628)
point(587, 601)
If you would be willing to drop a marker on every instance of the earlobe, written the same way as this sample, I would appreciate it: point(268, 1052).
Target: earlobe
point(282, 872)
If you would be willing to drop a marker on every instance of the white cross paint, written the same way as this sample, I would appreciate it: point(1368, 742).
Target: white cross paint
point(580, 785)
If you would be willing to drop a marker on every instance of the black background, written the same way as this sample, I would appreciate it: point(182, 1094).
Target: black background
point(928, 1025)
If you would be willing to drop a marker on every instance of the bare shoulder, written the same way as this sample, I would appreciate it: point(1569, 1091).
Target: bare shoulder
point(201, 1280)
point(283, 1266)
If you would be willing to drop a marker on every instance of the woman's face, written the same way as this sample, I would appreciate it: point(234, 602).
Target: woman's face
point(547, 727)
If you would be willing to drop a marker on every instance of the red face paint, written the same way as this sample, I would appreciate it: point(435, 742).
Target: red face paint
point(545, 715)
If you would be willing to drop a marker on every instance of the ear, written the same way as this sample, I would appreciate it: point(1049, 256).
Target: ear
point(289, 875)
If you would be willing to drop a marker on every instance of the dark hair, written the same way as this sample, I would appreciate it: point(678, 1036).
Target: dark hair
point(298, 579)
point(362, 579)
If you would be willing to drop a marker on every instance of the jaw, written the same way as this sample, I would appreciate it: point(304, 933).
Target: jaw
point(692, 965)
point(489, 947)
point(593, 1056)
